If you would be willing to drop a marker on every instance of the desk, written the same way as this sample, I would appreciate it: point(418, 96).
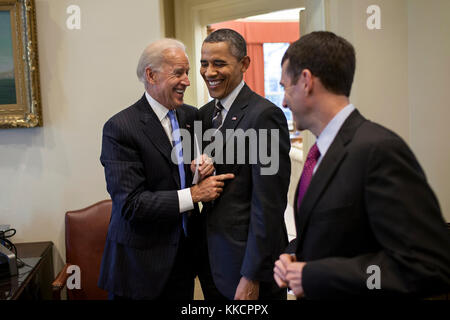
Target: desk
point(35, 278)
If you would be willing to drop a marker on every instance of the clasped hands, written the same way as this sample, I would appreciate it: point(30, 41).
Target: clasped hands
point(209, 187)
point(288, 273)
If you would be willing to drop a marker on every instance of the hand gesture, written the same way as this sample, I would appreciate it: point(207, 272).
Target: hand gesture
point(279, 271)
point(288, 273)
point(210, 188)
point(206, 166)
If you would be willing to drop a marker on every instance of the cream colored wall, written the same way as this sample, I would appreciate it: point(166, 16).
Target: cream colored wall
point(380, 89)
point(87, 75)
point(429, 94)
point(402, 76)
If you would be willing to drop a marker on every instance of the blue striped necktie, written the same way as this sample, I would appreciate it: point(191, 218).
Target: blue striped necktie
point(179, 152)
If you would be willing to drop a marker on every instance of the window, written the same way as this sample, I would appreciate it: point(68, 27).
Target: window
point(273, 53)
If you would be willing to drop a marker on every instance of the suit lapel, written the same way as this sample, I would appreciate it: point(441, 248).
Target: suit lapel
point(181, 116)
point(232, 119)
point(209, 113)
point(154, 131)
point(235, 114)
point(329, 165)
point(237, 110)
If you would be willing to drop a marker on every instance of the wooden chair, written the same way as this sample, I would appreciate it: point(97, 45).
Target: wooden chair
point(86, 231)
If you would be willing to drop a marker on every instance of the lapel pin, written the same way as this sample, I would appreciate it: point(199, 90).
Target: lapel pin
point(188, 125)
point(234, 118)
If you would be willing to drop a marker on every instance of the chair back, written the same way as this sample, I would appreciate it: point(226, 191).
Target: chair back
point(86, 231)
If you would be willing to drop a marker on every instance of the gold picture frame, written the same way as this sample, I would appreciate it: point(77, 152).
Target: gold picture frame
point(20, 98)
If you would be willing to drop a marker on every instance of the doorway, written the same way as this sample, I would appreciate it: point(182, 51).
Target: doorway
point(268, 36)
point(193, 17)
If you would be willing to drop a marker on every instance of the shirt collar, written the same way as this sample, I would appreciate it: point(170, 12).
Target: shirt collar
point(328, 134)
point(158, 108)
point(227, 102)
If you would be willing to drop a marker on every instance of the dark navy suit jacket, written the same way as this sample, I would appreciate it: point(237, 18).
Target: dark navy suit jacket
point(369, 204)
point(245, 227)
point(145, 224)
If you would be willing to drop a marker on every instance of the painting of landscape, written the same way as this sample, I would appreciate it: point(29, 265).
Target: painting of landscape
point(7, 79)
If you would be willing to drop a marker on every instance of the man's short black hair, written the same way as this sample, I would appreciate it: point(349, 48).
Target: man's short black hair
point(329, 57)
point(236, 42)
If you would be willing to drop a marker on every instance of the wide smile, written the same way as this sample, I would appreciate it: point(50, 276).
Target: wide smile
point(212, 84)
point(180, 92)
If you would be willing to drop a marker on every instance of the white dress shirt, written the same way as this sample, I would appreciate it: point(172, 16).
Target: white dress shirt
point(229, 99)
point(328, 134)
point(184, 195)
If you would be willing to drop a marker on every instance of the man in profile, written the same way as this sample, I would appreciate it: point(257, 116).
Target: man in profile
point(244, 230)
point(364, 206)
point(149, 249)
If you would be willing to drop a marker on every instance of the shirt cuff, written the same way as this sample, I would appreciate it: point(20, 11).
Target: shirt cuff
point(185, 200)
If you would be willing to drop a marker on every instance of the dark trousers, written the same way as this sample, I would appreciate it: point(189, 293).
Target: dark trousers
point(267, 290)
point(209, 289)
point(180, 285)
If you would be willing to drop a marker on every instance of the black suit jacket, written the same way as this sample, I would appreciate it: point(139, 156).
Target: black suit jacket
point(369, 204)
point(146, 223)
point(245, 225)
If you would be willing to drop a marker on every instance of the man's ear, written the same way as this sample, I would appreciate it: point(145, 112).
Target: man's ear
point(306, 78)
point(245, 63)
point(150, 75)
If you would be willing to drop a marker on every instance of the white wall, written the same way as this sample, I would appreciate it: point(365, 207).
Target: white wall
point(87, 75)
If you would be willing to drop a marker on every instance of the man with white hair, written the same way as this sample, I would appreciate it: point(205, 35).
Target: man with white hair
point(148, 252)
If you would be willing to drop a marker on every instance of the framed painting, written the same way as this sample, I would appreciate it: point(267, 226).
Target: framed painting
point(20, 99)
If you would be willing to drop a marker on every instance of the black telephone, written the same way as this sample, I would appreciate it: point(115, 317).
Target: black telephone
point(9, 263)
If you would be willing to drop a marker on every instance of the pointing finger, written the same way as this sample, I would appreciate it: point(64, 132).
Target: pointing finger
point(225, 176)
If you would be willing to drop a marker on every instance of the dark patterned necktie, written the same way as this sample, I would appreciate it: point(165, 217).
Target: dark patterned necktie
point(216, 122)
point(307, 173)
point(217, 117)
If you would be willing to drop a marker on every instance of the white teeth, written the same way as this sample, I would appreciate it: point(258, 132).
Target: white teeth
point(214, 83)
point(180, 91)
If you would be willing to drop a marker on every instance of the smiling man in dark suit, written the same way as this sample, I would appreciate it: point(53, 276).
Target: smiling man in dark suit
point(149, 248)
point(244, 229)
point(368, 224)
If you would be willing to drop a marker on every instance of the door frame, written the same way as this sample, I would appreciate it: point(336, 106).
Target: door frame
point(192, 17)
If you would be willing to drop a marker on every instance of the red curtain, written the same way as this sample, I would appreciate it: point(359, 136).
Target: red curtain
point(256, 34)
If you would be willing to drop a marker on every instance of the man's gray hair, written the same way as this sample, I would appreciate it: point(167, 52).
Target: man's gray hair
point(153, 56)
